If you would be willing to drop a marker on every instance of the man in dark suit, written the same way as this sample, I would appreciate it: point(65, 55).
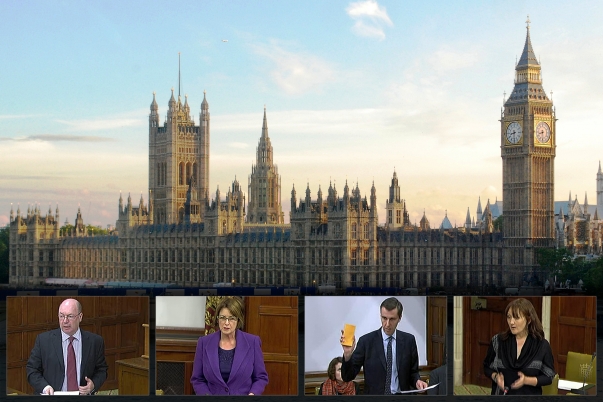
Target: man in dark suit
point(376, 348)
point(67, 358)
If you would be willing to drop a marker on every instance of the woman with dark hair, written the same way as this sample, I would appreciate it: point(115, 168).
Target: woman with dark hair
point(334, 385)
point(519, 359)
point(229, 361)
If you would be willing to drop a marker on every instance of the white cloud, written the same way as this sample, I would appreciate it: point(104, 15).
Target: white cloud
point(60, 137)
point(132, 119)
point(370, 19)
point(238, 145)
point(296, 73)
point(18, 116)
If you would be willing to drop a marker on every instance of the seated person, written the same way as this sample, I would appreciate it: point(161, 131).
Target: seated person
point(334, 385)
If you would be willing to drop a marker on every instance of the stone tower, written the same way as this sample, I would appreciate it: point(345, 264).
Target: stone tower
point(528, 140)
point(600, 189)
point(265, 184)
point(397, 215)
point(178, 153)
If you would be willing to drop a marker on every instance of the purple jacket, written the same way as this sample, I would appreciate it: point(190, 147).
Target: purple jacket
point(248, 373)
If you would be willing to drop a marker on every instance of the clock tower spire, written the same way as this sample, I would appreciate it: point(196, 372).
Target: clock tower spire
point(528, 140)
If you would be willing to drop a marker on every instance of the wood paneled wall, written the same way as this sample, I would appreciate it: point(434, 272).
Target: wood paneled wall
point(436, 330)
point(573, 327)
point(274, 320)
point(117, 319)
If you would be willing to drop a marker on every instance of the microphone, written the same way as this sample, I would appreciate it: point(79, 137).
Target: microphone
point(587, 372)
point(505, 391)
point(582, 390)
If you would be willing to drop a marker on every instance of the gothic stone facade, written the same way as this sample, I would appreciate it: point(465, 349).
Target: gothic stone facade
point(180, 237)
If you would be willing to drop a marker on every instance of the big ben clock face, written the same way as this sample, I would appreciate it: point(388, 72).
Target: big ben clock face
point(513, 133)
point(543, 132)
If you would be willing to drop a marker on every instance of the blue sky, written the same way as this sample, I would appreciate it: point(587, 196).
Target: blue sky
point(352, 88)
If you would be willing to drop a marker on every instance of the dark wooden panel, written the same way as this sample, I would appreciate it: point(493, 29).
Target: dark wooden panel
point(17, 378)
point(280, 374)
point(573, 327)
point(436, 330)
point(275, 320)
point(14, 354)
point(278, 339)
point(14, 311)
point(133, 376)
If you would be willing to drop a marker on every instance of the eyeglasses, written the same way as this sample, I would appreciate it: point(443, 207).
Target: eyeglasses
point(69, 317)
point(224, 318)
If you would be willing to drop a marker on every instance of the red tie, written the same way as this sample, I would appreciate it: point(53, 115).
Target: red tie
point(71, 370)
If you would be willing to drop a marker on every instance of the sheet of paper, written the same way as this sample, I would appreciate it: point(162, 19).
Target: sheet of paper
point(414, 391)
point(568, 385)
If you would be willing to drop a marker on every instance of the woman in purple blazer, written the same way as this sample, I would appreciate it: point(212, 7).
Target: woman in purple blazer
point(230, 361)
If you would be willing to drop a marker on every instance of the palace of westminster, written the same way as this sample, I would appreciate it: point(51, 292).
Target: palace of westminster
point(183, 236)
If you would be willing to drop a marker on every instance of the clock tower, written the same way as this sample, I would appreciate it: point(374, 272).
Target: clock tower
point(528, 138)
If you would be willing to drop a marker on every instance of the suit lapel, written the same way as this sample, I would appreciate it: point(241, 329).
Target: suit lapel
point(241, 351)
point(57, 346)
point(86, 353)
point(382, 350)
point(399, 349)
point(213, 344)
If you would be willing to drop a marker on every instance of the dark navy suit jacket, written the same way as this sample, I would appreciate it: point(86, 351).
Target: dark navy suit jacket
point(248, 373)
point(47, 367)
point(370, 353)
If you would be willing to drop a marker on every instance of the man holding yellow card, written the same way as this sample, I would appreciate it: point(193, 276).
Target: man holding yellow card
point(389, 357)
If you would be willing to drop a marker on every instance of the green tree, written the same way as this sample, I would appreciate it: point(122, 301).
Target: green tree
point(559, 262)
point(4, 239)
point(593, 279)
point(91, 230)
point(498, 223)
point(96, 230)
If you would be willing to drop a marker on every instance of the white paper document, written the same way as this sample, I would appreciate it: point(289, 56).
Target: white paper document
point(569, 385)
point(414, 391)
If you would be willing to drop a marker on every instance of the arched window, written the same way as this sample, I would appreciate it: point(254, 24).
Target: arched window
point(182, 173)
point(354, 231)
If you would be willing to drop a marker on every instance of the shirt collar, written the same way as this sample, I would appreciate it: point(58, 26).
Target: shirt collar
point(385, 336)
point(77, 335)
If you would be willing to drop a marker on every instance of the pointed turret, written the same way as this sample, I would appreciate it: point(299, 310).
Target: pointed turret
point(204, 104)
point(528, 58)
point(600, 188)
point(346, 193)
point(308, 199)
point(468, 219)
point(293, 199)
point(446, 222)
point(154, 106)
point(394, 189)
point(479, 212)
point(12, 214)
point(172, 101)
point(424, 222)
point(265, 125)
